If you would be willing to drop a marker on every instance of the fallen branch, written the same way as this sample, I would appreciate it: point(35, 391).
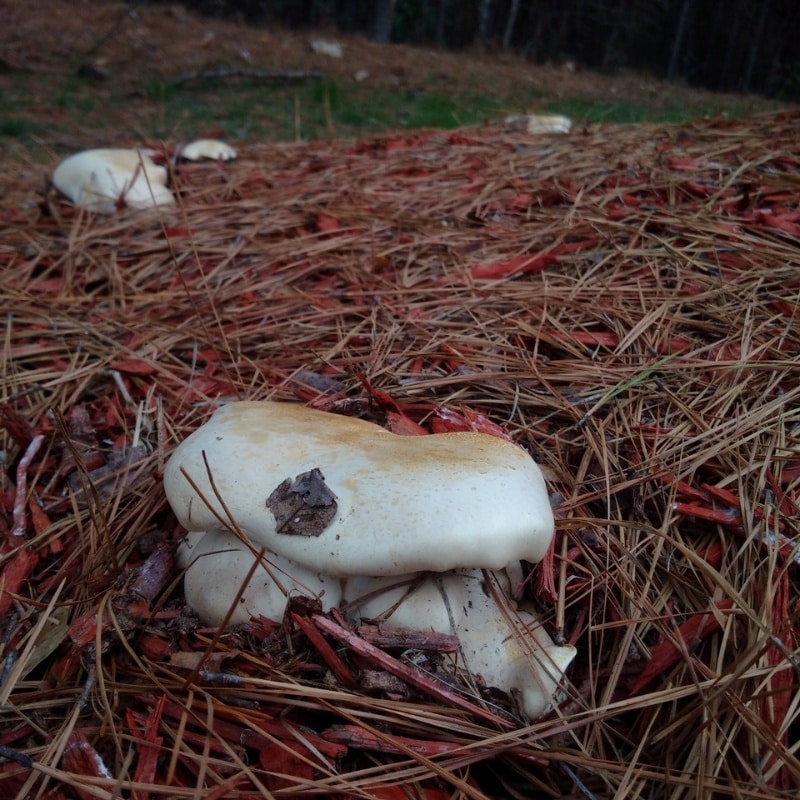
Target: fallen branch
point(418, 680)
point(287, 76)
point(22, 485)
point(354, 736)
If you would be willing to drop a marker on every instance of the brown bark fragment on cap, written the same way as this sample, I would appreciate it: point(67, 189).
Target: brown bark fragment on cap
point(303, 506)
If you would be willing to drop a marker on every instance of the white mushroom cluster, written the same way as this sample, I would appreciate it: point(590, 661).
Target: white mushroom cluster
point(106, 179)
point(417, 531)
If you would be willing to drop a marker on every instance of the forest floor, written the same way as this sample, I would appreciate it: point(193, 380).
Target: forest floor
point(622, 301)
point(112, 72)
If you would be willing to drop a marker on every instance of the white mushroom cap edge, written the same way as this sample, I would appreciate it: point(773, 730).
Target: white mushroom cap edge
point(404, 504)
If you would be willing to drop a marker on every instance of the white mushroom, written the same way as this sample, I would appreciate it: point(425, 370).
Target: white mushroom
point(104, 179)
point(328, 48)
point(218, 565)
point(207, 148)
point(338, 501)
point(365, 501)
point(500, 644)
point(540, 123)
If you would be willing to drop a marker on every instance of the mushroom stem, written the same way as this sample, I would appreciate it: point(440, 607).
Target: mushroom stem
point(221, 571)
point(500, 645)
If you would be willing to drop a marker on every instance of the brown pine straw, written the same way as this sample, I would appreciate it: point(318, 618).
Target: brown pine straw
point(623, 301)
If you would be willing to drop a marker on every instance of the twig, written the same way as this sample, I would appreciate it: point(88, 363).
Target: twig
point(398, 669)
point(287, 76)
point(20, 497)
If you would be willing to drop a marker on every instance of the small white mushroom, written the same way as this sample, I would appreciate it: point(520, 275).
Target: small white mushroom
point(326, 47)
point(540, 123)
point(346, 497)
point(212, 149)
point(105, 179)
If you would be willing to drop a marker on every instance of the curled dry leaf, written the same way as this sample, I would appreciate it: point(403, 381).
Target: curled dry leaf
point(303, 506)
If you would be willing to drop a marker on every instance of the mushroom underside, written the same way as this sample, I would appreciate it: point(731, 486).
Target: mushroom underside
point(500, 645)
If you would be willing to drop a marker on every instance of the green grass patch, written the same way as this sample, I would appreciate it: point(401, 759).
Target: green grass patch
point(623, 112)
point(75, 96)
point(249, 110)
point(246, 109)
point(19, 128)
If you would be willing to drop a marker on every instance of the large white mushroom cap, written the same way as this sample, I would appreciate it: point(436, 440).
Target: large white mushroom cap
point(346, 497)
point(107, 178)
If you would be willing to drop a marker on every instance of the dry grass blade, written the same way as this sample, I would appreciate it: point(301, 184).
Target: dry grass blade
point(623, 302)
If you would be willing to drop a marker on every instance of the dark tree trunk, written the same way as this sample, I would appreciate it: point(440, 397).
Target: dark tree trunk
point(347, 16)
point(484, 20)
point(382, 23)
point(620, 49)
point(441, 19)
point(733, 50)
point(511, 20)
point(677, 43)
point(537, 24)
point(563, 43)
point(755, 43)
point(712, 62)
